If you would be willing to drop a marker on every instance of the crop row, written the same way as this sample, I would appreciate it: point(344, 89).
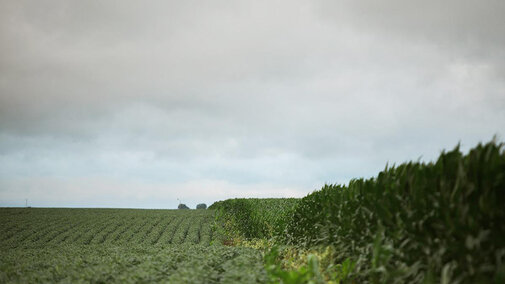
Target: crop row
point(184, 263)
point(417, 222)
point(253, 217)
point(34, 227)
point(437, 222)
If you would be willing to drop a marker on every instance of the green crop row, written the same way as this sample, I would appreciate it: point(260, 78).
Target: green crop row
point(50, 245)
point(436, 222)
point(183, 263)
point(41, 227)
point(254, 218)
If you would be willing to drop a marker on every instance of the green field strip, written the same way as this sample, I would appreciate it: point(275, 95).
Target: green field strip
point(156, 234)
point(210, 226)
point(83, 232)
point(34, 231)
point(10, 227)
point(97, 229)
point(101, 264)
point(139, 232)
point(115, 236)
point(63, 235)
point(68, 227)
point(172, 229)
point(15, 229)
point(115, 246)
point(102, 235)
point(71, 236)
point(182, 231)
point(87, 226)
point(206, 231)
point(193, 235)
point(144, 234)
point(21, 228)
point(152, 231)
point(209, 262)
point(218, 264)
point(178, 233)
point(133, 229)
point(12, 231)
point(60, 228)
point(167, 232)
point(251, 262)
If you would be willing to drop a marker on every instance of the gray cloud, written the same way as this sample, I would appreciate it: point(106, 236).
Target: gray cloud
point(261, 98)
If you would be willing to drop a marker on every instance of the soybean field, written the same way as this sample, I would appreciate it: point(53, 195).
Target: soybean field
point(120, 245)
point(34, 227)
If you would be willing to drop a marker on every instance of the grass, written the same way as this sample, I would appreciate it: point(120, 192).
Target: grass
point(253, 217)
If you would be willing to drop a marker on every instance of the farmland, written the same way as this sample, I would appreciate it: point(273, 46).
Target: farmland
point(436, 222)
point(34, 227)
point(120, 245)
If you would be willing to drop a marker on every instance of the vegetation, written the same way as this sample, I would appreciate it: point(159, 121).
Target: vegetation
point(415, 222)
point(40, 227)
point(132, 264)
point(182, 206)
point(120, 245)
point(201, 206)
point(255, 218)
point(438, 222)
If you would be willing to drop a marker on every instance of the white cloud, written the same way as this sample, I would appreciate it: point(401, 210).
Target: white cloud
point(280, 95)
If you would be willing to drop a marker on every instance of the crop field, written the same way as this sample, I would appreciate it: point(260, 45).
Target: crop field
point(119, 245)
point(34, 227)
point(436, 222)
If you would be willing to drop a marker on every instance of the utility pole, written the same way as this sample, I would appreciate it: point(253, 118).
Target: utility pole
point(26, 202)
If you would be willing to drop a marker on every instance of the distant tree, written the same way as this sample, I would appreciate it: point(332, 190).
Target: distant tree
point(182, 206)
point(201, 206)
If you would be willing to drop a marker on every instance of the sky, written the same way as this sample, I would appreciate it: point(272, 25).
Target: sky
point(145, 104)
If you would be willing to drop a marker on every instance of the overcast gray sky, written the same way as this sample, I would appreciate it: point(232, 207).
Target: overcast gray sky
point(141, 103)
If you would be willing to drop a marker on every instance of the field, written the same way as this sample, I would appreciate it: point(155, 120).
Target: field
point(436, 222)
point(34, 227)
point(120, 245)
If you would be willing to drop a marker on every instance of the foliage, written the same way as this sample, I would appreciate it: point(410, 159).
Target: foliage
point(120, 245)
point(40, 227)
point(254, 218)
point(308, 273)
point(294, 264)
point(417, 222)
point(438, 222)
point(132, 264)
point(182, 206)
point(201, 206)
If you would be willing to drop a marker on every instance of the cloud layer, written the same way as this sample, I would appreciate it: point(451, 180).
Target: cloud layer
point(119, 104)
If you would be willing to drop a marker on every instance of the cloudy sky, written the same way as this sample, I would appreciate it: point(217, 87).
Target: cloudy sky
point(142, 103)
